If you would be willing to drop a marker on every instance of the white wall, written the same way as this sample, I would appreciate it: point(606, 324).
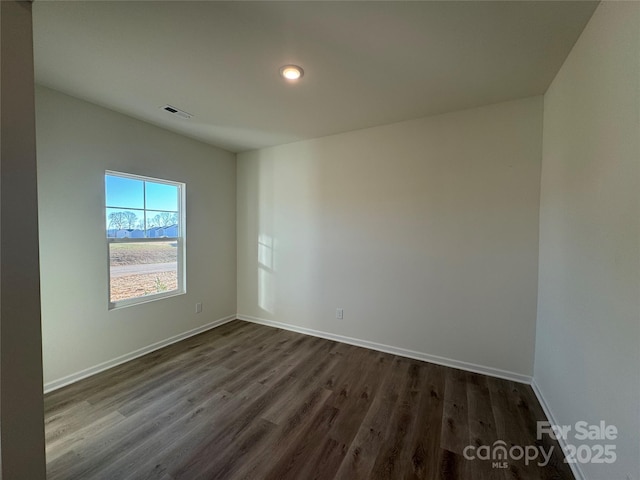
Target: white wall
point(22, 412)
point(588, 332)
point(76, 143)
point(425, 232)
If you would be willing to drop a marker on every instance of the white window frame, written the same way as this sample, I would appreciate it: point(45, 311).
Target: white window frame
point(180, 239)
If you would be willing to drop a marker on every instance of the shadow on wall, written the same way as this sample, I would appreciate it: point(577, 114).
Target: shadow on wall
point(287, 264)
point(266, 273)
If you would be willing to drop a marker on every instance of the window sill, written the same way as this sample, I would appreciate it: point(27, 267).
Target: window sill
point(146, 299)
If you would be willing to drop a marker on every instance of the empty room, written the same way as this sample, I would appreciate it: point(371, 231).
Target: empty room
point(320, 240)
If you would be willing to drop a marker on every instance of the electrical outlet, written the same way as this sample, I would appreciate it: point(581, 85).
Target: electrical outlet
point(198, 307)
point(339, 313)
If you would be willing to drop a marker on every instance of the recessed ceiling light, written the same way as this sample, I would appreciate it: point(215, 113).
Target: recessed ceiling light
point(291, 72)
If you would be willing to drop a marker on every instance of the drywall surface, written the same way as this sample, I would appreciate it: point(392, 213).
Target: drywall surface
point(77, 141)
point(425, 232)
point(21, 403)
point(588, 330)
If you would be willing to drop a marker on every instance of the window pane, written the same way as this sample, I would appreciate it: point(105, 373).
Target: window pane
point(140, 269)
point(162, 224)
point(161, 196)
point(124, 192)
point(141, 209)
point(123, 223)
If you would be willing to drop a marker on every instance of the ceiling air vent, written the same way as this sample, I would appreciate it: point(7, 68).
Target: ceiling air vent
point(176, 112)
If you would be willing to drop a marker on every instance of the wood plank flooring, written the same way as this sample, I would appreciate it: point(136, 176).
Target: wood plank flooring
point(245, 401)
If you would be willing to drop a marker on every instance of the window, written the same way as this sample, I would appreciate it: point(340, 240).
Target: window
point(145, 238)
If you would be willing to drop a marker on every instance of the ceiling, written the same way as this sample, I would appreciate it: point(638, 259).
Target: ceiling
point(366, 62)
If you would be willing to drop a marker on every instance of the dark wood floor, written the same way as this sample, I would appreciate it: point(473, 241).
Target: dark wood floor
point(248, 401)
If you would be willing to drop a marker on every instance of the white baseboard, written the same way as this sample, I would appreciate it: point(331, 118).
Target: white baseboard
point(447, 362)
point(87, 372)
point(575, 467)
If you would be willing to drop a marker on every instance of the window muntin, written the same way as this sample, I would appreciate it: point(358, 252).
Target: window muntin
point(144, 219)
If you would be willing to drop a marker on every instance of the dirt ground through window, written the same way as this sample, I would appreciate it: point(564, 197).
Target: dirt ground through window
point(158, 265)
